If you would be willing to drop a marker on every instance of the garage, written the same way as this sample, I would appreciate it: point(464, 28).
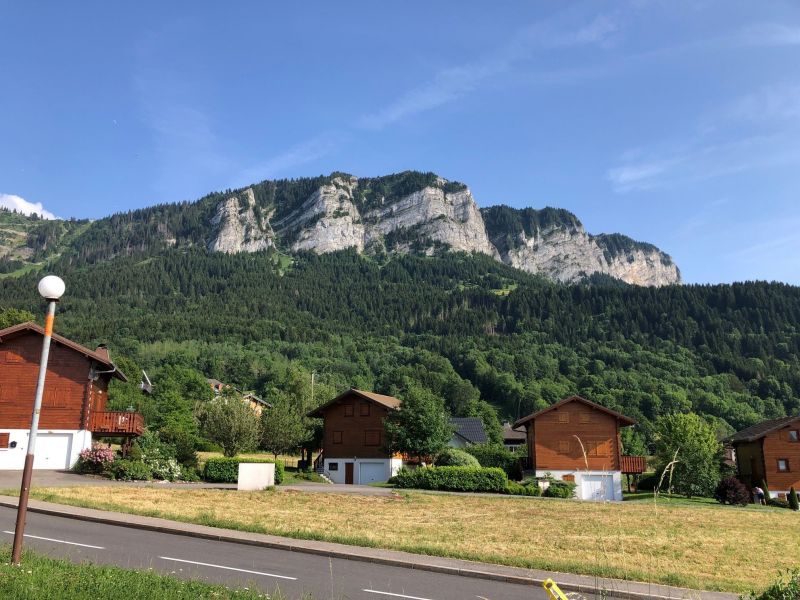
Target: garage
point(52, 451)
point(370, 472)
point(597, 487)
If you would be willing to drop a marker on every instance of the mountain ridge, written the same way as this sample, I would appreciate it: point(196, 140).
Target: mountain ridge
point(408, 212)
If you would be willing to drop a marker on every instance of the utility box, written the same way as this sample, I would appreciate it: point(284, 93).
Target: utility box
point(255, 476)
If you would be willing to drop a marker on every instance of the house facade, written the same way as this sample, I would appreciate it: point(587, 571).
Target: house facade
point(73, 404)
point(354, 442)
point(577, 440)
point(769, 452)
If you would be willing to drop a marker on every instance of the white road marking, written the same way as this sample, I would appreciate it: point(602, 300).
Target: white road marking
point(394, 595)
point(36, 537)
point(202, 564)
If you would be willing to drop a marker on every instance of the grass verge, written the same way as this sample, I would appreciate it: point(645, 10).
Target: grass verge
point(694, 546)
point(42, 577)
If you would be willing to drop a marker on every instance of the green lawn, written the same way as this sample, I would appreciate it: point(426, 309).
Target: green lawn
point(41, 577)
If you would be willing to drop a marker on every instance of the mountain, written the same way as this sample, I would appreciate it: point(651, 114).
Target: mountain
point(409, 212)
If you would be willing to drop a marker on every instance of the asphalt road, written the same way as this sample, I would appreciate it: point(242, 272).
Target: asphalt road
point(239, 565)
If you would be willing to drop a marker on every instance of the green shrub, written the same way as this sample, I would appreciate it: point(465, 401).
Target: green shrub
point(495, 455)
point(453, 457)
point(204, 445)
point(794, 501)
point(647, 482)
point(226, 470)
point(523, 489)
point(764, 487)
point(732, 491)
point(456, 479)
point(778, 503)
point(560, 489)
point(786, 588)
point(129, 470)
point(184, 444)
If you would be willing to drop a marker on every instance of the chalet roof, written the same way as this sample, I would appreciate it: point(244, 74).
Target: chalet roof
point(100, 356)
point(256, 399)
point(759, 430)
point(470, 429)
point(511, 434)
point(625, 420)
point(389, 402)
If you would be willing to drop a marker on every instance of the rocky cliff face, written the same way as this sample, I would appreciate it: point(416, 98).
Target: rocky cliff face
point(372, 215)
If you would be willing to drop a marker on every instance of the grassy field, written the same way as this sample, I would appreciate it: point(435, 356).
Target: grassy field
point(41, 577)
point(702, 546)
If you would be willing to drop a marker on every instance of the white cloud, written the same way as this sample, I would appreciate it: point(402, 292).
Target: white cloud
point(14, 202)
point(772, 34)
point(454, 82)
point(770, 102)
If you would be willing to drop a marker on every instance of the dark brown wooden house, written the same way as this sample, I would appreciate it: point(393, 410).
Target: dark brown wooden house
point(769, 452)
point(578, 440)
point(73, 405)
point(354, 444)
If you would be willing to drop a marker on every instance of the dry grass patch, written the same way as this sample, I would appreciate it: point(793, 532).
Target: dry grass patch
point(704, 547)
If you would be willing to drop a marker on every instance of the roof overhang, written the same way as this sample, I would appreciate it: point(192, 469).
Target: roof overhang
point(625, 421)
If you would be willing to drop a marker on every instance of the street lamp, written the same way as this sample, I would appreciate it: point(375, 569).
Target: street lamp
point(51, 289)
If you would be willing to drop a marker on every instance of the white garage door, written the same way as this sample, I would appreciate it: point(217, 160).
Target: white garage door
point(52, 451)
point(370, 472)
point(597, 487)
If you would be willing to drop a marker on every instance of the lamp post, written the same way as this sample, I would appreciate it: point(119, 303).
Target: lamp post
point(51, 289)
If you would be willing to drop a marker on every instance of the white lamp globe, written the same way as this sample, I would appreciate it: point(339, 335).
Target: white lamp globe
point(51, 287)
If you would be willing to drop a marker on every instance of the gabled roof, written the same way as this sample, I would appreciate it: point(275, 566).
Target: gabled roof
point(256, 399)
point(759, 430)
point(100, 356)
point(389, 402)
point(625, 420)
point(470, 429)
point(511, 434)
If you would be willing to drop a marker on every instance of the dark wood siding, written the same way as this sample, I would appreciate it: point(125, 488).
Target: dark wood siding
point(361, 434)
point(560, 438)
point(65, 385)
point(777, 445)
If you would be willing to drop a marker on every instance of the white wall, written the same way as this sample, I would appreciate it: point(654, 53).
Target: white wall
point(612, 492)
point(390, 468)
point(14, 458)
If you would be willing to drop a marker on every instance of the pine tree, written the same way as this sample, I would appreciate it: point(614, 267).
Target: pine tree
point(794, 502)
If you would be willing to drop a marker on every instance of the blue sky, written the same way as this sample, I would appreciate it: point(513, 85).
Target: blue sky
point(673, 122)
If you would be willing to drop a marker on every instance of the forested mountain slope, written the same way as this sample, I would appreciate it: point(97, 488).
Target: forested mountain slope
point(464, 325)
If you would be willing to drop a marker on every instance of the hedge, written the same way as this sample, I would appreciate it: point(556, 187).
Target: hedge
point(454, 479)
point(523, 489)
point(495, 455)
point(453, 457)
point(226, 470)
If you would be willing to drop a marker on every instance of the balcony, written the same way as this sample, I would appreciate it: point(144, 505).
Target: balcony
point(118, 424)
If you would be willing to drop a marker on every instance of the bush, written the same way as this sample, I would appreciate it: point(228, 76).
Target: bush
point(560, 489)
point(204, 445)
point(523, 489)
point(226, 470)
point(778, 503)
point(184, 444)
point(647, 482)
point(94, 459)
point(494, 455)
point(455, 479)
point(794, 501)
point(453, 457)
point(129, 470)
point(158, 456)
point(786, 588)
point(732, 491)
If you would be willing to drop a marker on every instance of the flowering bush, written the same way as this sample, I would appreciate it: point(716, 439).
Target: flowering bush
point(159, 457)
point(94, 459)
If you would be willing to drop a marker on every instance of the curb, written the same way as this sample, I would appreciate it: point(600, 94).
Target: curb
point(613, 588)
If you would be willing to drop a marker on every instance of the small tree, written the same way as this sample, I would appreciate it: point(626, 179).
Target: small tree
point(764, 487)
point(794, 501)
point(282, 429)
point(231, 423)
point(420, 428)
point(732, 491)
point(697, 471)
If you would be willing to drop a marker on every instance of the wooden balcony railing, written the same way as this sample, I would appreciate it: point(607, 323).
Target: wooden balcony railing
point(117, 423)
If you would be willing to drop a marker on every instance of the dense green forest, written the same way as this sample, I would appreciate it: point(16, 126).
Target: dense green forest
point(472, 330)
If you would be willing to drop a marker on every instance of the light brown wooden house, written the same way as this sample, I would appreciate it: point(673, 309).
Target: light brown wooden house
point(769, 452)
point(354, 443)
point(578, 440)
point(73, 404)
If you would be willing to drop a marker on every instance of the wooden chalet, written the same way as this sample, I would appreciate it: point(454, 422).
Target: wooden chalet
point(354, 444)
point(578, 440)
point(769, 452)
point(73, 404)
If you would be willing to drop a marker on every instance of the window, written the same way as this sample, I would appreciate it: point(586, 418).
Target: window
point(364, 409)
point(783, 464)
point(337, 437)
point(372, 437)
point(4, 440)
point(585, 417)
point(348, 410)
point(794, 435)
point(563, 446)
point(563, 417)
point(593, 448)
point(333, 466)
